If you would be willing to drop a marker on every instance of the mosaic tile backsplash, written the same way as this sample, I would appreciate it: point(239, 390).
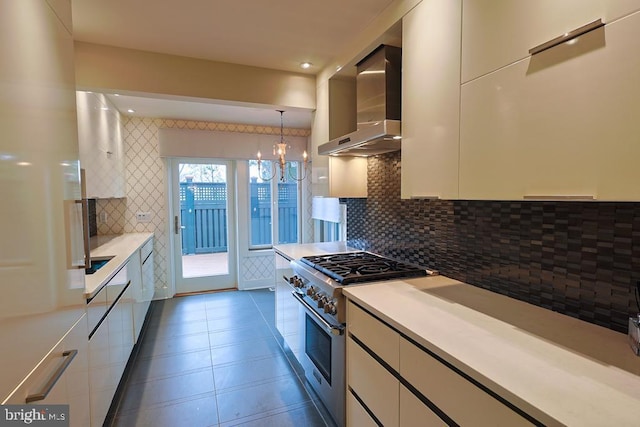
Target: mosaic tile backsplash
point(577, 258)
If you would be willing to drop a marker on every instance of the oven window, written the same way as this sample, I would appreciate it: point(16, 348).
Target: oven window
point(317, 345)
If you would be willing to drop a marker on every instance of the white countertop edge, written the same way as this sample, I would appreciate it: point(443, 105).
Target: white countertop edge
point(121, 248)
point(551, 383)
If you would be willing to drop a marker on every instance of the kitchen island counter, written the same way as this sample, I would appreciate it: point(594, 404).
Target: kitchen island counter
point(558, 369)
point(120, 247)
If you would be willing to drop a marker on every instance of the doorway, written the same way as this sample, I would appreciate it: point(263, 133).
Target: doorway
point(203, 224)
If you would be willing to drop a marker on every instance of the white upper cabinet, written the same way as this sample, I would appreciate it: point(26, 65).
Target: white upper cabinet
point(497, 33)
point(431, 99)
point(101, 145)
point(347, 177)
point(561, 124)
point(42, 291)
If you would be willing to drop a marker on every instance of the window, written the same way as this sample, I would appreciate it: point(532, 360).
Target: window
point(270, 216)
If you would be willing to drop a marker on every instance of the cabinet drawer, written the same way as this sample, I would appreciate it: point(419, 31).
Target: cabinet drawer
point(115, 286)
point(460, 399)
point(414, 413)
point(67, 366)
point(356, 415)
point(381, 339)
point(146, 250)
point(375, 386)
point(96, 309)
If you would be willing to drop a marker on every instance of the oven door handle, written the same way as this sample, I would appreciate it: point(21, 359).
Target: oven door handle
point(332, 329)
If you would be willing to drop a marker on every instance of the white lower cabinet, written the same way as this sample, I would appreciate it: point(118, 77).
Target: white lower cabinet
point(101, 390)
point(142, 284)
point(116, 315)
point(454, 395)
point(287, 307)
point(400, 384)
point(110, 344)
point(414, 413)
point(356, 414)
point(148, 286)
point(66, 369)
point(373, 384)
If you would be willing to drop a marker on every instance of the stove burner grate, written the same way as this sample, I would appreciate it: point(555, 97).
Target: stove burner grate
point(359, 267)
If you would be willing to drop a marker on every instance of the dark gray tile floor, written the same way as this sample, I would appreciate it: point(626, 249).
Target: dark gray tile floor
point(214, 360)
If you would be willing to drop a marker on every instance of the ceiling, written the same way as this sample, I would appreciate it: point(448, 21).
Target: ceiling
point(276, 34)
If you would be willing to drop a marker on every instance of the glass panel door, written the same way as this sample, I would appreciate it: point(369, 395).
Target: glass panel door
point(203, 225)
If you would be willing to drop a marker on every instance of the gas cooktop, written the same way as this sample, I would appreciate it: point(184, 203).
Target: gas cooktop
point(359, 267)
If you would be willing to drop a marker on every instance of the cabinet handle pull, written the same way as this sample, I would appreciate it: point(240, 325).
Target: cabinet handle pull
point(567, 36)
point(69, 355)
point(558, 197)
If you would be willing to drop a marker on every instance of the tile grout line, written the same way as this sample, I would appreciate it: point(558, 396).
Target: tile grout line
point(213, 374)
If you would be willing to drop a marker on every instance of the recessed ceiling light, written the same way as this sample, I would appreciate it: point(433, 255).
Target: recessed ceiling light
point(116, 94)
point(131, 110)
point(305, 65)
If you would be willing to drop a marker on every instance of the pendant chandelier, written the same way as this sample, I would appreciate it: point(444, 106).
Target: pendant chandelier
point(280, 151)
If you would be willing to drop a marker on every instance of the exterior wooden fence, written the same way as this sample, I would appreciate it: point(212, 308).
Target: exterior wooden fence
point(203, 214)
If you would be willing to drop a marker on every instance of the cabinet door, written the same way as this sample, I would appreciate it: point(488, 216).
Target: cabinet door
point(414, 413)
point(357, 416)
point(101, 146)
point(562, 123)
point(148, 276)
point(120, 320)
point(373, 384)
point(458, 398)
point(382, 340)
point(69, 359)
point(499, 33)
point(287, 307)
point(101, 388)
point(347, 177)
point(431, 99)
point(135, 275)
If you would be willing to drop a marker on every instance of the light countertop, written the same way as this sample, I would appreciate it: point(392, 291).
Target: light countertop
point(121, 247)
point(293, 251)
point(558, 369)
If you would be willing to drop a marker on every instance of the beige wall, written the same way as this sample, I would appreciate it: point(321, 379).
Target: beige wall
point(107, 68)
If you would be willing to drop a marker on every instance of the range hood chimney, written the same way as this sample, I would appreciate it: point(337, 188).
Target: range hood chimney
point(378, 89)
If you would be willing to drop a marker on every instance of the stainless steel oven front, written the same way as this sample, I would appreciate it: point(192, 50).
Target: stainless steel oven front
point(322, 351)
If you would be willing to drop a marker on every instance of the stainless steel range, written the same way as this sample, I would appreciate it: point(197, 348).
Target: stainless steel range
point(318, 284)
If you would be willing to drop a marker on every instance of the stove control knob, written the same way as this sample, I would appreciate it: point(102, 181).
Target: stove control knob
point(330, 308)
point(322, 300)
point(311, 291)
point(297, 282)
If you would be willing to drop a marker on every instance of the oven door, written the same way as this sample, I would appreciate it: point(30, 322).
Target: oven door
point(322, 355)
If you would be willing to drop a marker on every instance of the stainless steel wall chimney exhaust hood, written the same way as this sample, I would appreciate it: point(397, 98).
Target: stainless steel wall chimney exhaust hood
point(378, 88)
